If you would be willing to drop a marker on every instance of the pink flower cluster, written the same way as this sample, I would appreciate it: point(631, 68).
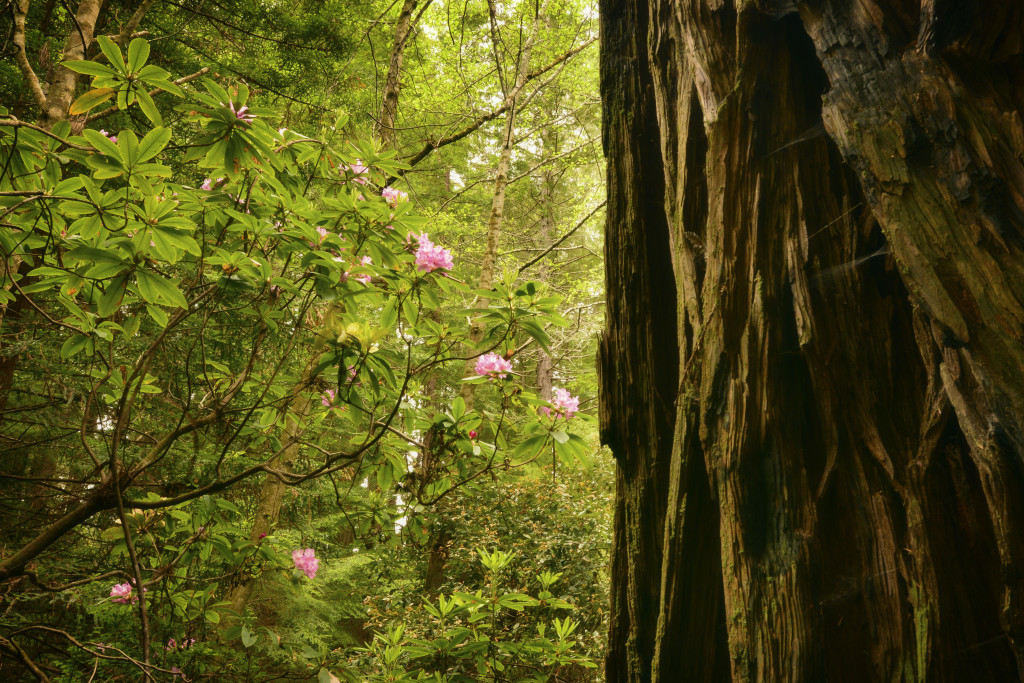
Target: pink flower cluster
point(361, 173)
point(327, 398)
point(365, 277)
point(112, 138)
point(393, 196)
point(208, 183)
point(562, 405)
point(430, 257)
point(306, 562)
point(241, 113)
point(186, 643)
point(492, 365)
point(122, 593)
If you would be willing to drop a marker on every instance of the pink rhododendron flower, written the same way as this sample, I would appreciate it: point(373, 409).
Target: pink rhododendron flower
point(430, 257)
point(392, 196)
point(473, 434)
point(112, 138)
point(562, 405)
point(122, 593)
point(361, 173)
point(365, 277)
point(492, 365)
point(240, 113)
point(306, 562)
point(327, 398)
point(208, 183)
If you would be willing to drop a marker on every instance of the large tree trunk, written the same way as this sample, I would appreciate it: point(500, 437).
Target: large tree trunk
point(823, 477)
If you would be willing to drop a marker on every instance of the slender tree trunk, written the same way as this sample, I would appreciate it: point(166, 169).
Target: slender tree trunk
point(545, 235)
point(822, 477)
point(497, 213)
point(385, 126)
point(271, 494)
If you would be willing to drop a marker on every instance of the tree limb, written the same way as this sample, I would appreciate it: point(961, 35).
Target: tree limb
point(15, 123)
point(23, 656)
point(562, 238)
point(133, 23)
point(20, 12)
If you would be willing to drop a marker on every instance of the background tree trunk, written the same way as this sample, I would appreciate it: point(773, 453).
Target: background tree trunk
point(385, 126)
point(497, 213)
point(822, 478)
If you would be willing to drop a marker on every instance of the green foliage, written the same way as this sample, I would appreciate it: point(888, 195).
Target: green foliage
point(491, 634)
point(181, 336)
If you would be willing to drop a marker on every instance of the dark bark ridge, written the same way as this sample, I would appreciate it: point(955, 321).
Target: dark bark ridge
point(813, 368)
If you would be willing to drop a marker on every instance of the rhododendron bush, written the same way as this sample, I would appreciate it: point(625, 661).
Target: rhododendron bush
point(222, 311)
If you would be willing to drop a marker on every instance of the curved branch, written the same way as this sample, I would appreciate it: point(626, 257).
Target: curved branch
point(20, 12)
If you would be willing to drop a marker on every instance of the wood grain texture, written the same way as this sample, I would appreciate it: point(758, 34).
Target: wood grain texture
point(835, 492)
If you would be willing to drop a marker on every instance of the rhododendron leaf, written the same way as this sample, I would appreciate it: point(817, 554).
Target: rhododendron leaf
point(89, 100)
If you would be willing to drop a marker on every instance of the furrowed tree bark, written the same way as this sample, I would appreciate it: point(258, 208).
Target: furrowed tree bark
point(831, 486)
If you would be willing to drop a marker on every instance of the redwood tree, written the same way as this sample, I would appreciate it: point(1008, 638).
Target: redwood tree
point(813, 368)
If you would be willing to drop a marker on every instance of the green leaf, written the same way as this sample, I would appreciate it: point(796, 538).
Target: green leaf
point(389, 316)
point(94, 255)
point(112, 52)
point(148, 107)
point(89, 100)
point(248, 637)
point(138, 53)
point(75, 344)
point(102, 143)
point(153, 143)
point(89, 68)
point(529, 448)
point(410, 311)
point(157, 290)
point(128, 143)
point(560, 436)
point(111, 299)
point(158, 315)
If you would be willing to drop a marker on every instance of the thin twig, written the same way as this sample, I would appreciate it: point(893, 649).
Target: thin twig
point(562, 238)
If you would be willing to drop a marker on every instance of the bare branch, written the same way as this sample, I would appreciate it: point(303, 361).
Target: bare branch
point(15, 123)
point(6, 644)
point(133, 23)
point(562, 238)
